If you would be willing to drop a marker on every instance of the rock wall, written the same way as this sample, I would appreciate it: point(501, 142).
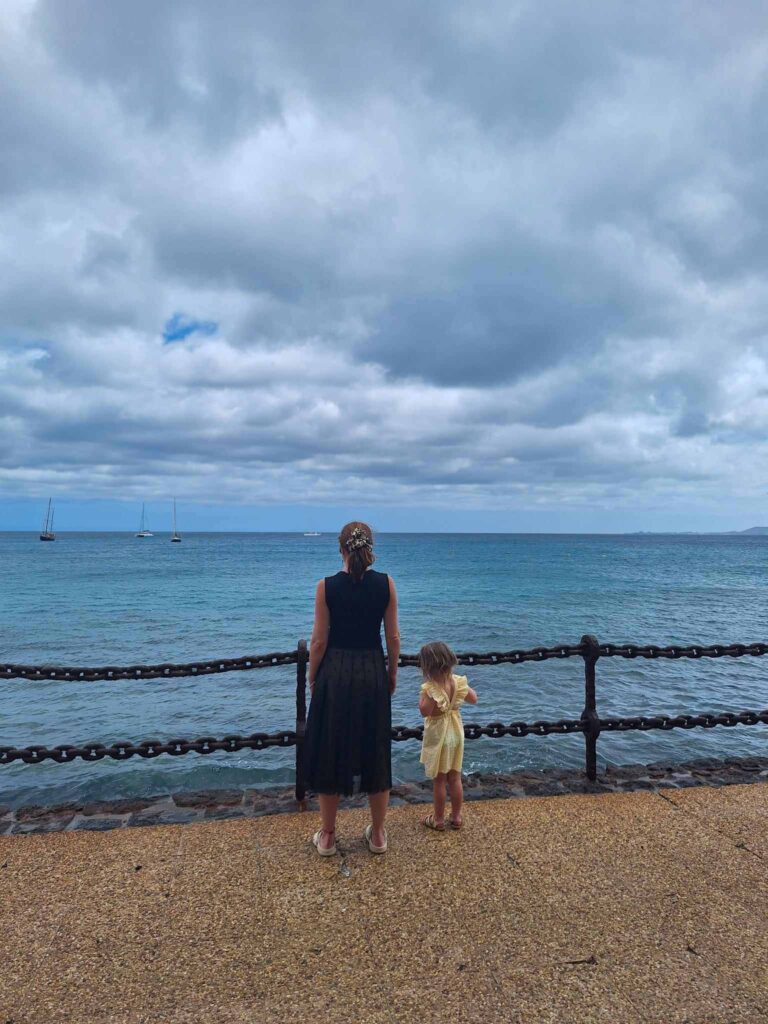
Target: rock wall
point(182, 808)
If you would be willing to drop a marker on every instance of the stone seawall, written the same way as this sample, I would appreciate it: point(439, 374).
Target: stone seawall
point(182, 808)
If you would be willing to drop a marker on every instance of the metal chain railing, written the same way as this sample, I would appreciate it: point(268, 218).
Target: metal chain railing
point(114, 673)
point(667, 722)
point(122, 751)
point(691, 651)
point(590, 725)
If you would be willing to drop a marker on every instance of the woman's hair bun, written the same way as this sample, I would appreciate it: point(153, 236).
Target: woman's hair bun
point(356, 540)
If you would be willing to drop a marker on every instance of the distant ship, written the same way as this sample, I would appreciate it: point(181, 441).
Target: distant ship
point(143, 529)
point(47, 531)
point(312, 533)
point(175, 537)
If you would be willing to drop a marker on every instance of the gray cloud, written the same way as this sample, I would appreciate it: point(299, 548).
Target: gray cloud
point(498, 255)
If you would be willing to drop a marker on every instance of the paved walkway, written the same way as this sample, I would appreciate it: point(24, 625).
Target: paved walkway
point(614, 908)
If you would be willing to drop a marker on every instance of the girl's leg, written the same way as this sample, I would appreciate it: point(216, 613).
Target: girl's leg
point(378, 803)
point(329, 805)
point(457, 796)
point(438, 798)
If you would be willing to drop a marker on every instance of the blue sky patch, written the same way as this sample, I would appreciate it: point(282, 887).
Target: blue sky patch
point(180, 326)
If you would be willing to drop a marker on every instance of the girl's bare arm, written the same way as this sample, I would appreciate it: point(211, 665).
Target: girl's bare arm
point(427, 706)
point(319, 641)
point(392, 635)
point(471, 697)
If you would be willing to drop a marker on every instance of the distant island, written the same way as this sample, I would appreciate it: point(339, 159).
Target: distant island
point(753, 531)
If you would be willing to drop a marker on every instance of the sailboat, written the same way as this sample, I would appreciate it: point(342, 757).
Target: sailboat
point(47, 531)
point(175, 537)
point(143, 530)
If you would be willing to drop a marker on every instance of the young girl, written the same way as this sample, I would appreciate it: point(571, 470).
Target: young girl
point(440, 699)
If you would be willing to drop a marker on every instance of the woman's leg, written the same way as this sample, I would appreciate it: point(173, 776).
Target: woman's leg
point(438, 798)
point(329, 805)
point(378, 803)
point(457, 796)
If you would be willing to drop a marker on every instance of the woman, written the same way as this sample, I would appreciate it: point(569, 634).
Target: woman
point(347, 746)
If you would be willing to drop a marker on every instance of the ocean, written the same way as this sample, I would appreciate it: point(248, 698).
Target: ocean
point(93, 598)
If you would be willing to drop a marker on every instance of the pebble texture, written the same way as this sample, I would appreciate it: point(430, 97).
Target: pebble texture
point(617, 908)
point(184, 808)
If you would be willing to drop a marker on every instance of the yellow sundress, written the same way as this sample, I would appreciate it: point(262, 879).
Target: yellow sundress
point(442, 749)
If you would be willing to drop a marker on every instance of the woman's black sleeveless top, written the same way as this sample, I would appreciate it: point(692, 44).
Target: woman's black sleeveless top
point(356, 609)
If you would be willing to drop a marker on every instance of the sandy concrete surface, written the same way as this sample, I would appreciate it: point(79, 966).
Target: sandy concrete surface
point(620, 907)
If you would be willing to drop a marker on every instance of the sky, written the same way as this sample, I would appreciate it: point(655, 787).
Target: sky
point(487, 266)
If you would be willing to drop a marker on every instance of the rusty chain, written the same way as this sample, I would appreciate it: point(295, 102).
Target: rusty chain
point(217, 665)
point(700, 721)
point(496, 730)
point(515, 657)
point(41, 673)
point(122, 751)
point(755, 650)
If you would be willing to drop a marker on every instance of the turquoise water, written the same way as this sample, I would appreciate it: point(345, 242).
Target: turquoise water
point(109, 598)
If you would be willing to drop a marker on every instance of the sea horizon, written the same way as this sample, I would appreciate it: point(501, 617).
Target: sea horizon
point(428, 533)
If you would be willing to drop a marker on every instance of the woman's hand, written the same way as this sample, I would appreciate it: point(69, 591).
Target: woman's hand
point(392, 683)
point(311, 687)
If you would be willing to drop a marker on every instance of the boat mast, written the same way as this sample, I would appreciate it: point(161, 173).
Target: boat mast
point(175, 536)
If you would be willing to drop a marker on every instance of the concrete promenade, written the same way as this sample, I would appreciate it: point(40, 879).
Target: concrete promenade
point(647, 906)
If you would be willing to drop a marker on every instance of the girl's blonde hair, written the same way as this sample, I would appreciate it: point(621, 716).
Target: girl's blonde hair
point(436, 660)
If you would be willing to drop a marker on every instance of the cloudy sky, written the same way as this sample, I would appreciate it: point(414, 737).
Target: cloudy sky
point(447, 265)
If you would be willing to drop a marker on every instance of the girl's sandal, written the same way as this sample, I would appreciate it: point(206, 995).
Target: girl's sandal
point(455, 825)
point(429, 822)
point(323, 851)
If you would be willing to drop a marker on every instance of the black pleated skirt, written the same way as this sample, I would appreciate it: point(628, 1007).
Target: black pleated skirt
point(347, 745)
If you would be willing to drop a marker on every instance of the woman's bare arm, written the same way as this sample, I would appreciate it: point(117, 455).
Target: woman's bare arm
point(319, 641)
point(392, 635)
